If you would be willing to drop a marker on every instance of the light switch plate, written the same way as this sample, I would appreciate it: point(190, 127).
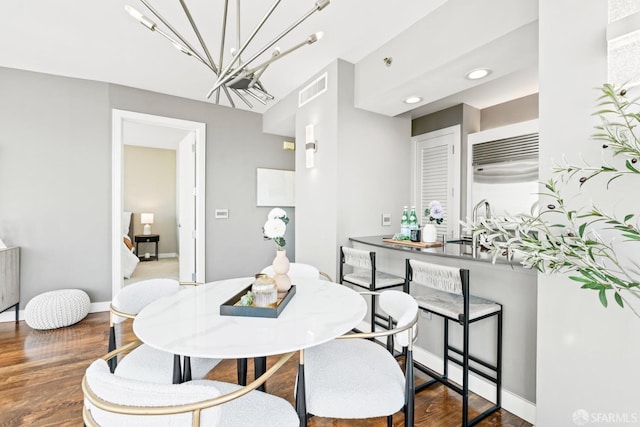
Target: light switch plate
point(222, 213)
point(386, 219)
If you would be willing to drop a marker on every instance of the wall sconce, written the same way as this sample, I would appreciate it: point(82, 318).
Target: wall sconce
point(310, 146)
point(147, 220)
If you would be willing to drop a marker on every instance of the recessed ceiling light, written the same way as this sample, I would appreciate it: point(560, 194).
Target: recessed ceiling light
point(478, 74)
point(412, 100)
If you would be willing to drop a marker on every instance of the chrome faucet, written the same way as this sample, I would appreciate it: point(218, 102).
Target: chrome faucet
point(474, 242)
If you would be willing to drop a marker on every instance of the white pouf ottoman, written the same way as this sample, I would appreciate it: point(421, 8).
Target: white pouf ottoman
point(57, 309)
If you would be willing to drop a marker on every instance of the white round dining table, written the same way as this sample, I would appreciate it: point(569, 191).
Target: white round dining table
point(189, 322)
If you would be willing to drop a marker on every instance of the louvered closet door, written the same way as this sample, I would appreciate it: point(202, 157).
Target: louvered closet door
point(438, 176)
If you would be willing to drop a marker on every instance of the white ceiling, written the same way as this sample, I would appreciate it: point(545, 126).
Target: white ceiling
point(98, 40)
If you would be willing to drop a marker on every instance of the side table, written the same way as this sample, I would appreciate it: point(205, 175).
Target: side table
point(147, 238)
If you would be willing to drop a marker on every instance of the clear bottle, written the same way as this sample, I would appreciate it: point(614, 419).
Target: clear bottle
point(405, 231)
point(413, 219)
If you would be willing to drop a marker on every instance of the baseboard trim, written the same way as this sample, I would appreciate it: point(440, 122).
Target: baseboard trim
point(511, 402)
point(10, 315)
point(168, 255)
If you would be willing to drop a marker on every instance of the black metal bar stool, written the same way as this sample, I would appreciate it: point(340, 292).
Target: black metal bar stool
point(449, 298)
point(365, 275)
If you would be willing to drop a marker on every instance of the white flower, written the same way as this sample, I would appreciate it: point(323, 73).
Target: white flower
point(436, 211)
point(274, 228)
point(276, 213)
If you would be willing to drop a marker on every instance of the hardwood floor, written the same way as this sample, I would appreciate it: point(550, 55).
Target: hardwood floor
point(40, 374)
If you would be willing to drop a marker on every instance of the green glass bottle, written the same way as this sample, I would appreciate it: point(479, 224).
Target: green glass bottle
point(405, 231)
point(413, 219)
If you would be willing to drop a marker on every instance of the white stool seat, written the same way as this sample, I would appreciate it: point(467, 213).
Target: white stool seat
point(363, 278)
point(147, 364)
point(57, 309)
point(452, 305)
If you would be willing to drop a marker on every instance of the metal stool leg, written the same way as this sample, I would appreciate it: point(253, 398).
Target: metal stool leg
point(499, 363)
point(445, 370)
point(465, 373)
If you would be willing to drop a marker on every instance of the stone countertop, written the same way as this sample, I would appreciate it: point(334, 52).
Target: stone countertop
point(448, 250)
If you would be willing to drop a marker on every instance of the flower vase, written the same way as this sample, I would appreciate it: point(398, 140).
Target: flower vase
point(429, 233)
point(283, 283)
point(281, 262)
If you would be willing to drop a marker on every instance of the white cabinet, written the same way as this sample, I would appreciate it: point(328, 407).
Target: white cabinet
point(9, 279)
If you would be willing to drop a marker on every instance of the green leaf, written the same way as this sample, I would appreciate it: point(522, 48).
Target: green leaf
point(593, 285)
point(581, 279)
point(630, 167)
point(628, 217)
point(603, 297)
point(581, 229)
point(632, 236)
point(618, 299)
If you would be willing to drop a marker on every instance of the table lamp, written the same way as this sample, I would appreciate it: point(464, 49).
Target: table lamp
point(147, 220)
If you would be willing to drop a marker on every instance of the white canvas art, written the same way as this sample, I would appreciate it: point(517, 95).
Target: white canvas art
point(275, 187)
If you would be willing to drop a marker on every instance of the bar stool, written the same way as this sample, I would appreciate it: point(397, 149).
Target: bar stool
point(365, 275)
point(449, 298)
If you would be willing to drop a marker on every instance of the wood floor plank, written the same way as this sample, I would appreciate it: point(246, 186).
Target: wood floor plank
point(41, 371)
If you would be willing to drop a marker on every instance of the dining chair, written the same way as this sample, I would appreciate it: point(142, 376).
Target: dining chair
point(297, 269)
point(146, 363)
point(354, 377)
point(447, 295)
point(112, 400)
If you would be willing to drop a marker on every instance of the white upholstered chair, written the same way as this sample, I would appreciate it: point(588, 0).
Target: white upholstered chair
point(146, 363)
point(297, 269)
point(447, 295)
point(111, 400)
point(354, 377)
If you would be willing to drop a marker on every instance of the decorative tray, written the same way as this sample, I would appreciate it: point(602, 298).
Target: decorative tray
point(233, 308)
point(414, 244)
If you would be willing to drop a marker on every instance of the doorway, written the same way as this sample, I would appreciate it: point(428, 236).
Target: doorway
point(189, 145)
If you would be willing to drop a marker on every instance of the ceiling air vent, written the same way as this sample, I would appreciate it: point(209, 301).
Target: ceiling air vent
point(313, 90)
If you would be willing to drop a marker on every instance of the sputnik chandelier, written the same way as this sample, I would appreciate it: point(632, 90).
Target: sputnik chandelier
point(239, 77)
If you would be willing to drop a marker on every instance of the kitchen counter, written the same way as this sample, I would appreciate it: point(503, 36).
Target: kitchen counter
point(449, 250)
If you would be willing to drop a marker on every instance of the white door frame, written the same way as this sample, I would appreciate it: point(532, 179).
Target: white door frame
point(118, 118)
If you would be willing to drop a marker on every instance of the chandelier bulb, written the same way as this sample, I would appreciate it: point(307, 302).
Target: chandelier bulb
point(315, 37)
point(140, 17)
point(182, 49)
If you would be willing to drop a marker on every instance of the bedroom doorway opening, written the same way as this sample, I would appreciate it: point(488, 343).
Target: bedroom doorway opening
point(185, 140)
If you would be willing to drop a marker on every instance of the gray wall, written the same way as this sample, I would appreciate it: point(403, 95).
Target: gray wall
point(55, 179)
point(515, 111)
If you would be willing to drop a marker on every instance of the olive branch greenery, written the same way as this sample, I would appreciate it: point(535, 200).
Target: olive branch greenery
point(559, 239)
